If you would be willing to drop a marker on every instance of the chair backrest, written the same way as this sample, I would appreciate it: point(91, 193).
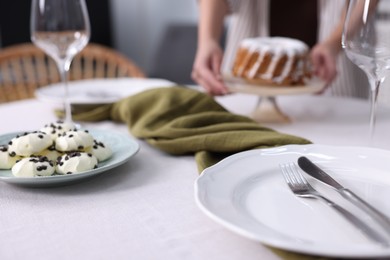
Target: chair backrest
point(24, 68)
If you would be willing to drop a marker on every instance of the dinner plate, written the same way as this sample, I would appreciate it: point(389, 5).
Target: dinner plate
point(99, 91)
point(237, 85)
point(122, 146)
point(247, 194)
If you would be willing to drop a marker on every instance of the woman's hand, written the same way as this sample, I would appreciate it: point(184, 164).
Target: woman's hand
point(207, 67)
point(323, 57)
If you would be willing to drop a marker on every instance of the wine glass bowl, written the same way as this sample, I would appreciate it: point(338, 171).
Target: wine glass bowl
point(61, 46)
point(61, 29)
point(366, 41)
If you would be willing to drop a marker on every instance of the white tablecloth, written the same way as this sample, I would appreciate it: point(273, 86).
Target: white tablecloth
point(145, 209)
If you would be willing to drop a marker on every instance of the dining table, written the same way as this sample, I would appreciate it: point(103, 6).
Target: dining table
point(145, 208)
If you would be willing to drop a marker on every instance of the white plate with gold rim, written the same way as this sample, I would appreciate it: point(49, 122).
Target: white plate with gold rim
point(247, 194)
point(122, 146)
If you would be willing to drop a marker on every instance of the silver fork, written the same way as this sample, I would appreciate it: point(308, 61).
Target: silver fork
point(301, 188)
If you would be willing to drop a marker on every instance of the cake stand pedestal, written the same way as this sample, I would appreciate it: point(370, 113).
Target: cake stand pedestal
point(267, 109)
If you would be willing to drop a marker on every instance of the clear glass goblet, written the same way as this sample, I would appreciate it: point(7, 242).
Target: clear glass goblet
point(366, 41)
point(61, 29)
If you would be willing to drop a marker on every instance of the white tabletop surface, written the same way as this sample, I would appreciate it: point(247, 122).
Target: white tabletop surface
point(145, 209)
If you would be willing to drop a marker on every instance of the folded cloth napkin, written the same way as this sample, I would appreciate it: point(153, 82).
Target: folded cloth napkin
point(180, 120)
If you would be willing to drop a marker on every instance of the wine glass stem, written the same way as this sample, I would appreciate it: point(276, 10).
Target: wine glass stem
point(64, 78)
point(374, 98)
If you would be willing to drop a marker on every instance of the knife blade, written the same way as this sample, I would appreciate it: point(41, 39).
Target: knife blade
point(316, 172)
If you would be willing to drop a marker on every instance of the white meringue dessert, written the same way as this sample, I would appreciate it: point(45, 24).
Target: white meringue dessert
point(51, 153)
point(101, 151)
point(76, 162)
point(29, 143)
point(58, 128)
point(33, 166)
point(74, 140)
point(6, 160)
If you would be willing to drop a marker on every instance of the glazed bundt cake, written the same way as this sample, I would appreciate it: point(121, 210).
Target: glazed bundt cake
point(272, 61)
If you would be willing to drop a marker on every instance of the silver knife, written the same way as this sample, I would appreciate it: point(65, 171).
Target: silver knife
point(316, 172)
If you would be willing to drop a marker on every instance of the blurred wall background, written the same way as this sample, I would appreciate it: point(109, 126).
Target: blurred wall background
point(140, 27)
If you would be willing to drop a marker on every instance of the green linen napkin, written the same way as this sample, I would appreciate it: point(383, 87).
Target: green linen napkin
point(181, 121)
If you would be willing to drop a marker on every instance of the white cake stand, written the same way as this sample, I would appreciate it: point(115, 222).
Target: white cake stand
point(267, 109)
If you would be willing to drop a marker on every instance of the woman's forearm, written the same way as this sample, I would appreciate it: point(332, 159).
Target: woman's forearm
point(211, 20)
point(334, 39)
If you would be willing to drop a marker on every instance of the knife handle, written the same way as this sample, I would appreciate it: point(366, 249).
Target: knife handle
point(375, 214)
point(367, 230)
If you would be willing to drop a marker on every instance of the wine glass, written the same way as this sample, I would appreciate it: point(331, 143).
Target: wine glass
point(61, 29)
point(366, 41)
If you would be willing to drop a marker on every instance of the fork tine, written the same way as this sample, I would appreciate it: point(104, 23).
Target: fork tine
point(285, 173)
point(297, 174)
point(295, 180)
point(288, 177)
point(292, 173)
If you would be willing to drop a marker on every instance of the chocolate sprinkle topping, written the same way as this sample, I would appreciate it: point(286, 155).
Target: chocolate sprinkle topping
point(3, 148)
point(41, 168)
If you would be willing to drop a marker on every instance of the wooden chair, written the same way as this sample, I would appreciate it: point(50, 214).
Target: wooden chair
point(24, 68)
